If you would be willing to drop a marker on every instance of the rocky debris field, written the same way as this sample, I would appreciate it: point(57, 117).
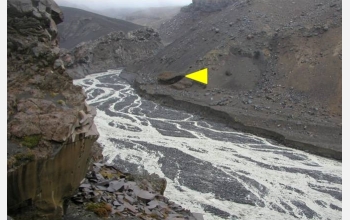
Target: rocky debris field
point(108, 192)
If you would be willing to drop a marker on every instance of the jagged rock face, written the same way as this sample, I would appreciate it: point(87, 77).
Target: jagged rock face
point(50, 128)
point(117, 49)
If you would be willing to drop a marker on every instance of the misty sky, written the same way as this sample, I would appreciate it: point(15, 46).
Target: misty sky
point(102, 4)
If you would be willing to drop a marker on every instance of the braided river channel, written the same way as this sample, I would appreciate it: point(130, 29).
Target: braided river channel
point(209, 167)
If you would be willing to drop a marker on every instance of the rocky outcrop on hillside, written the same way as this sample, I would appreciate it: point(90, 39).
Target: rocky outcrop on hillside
point(117, 49)
point(207, 5)
point(81, 26)
point(272, 65)
point(50, 128)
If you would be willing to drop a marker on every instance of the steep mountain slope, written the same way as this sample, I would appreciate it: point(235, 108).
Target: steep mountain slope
point(181, 23)
point(80, 26)
point(272, 60)
point(72, 4)
point(112, 12)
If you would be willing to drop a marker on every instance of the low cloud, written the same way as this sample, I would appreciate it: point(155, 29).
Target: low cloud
point(103, 4)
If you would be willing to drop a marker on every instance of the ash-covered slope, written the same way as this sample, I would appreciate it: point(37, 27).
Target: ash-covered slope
point(272, 59)
point(181, 23)
point(80, 26)
point(50, 128)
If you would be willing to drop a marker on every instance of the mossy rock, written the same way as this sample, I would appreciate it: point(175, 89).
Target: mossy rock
point(53, 94)
point(11, 162)
point(107, 174)
point(31, 141)
point(24, 157)
point(61, 102)
point(100, 209)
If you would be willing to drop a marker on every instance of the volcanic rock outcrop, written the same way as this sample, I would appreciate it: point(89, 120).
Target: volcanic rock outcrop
point(207, 5)
point(117, 49)
point(50, 128)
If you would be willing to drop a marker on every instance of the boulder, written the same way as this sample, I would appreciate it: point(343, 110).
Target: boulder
point(170, 77)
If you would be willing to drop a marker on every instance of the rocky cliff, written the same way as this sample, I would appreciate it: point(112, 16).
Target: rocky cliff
point(117, 49)
point(50, 128)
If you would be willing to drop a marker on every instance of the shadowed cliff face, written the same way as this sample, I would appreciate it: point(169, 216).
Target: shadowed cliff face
point(50, 128)
point(45, 182)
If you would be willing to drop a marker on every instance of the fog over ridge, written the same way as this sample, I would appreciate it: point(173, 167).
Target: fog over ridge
point(104, 4)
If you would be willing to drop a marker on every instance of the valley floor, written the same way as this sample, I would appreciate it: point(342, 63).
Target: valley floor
point(297, 127)
point(211, 168)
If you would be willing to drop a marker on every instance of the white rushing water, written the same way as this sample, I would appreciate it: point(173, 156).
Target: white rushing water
point(209, 168)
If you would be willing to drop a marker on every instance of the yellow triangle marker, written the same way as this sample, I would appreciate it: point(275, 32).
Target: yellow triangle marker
point(199, 76)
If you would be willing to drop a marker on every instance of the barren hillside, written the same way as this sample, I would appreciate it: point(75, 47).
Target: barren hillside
point(80, 26)
point(274, 59)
